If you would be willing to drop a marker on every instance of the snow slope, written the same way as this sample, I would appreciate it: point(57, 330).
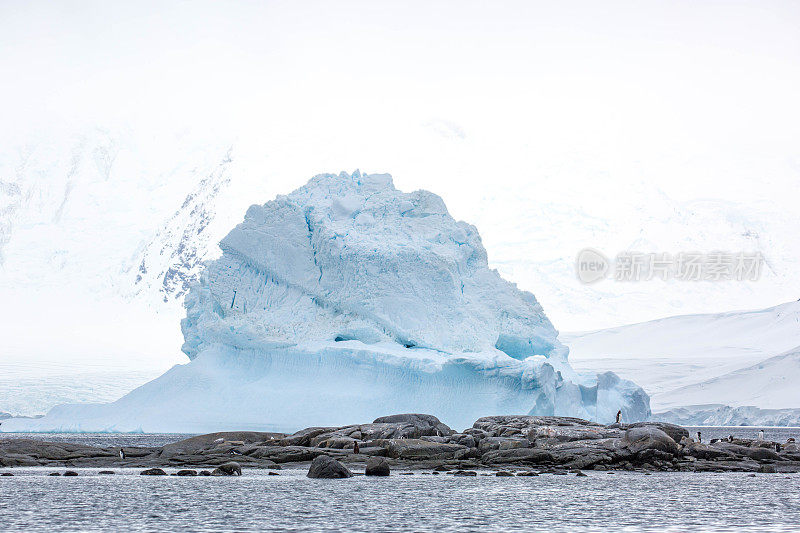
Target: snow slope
point(348, 299)
point(769, 384)
point(742, 358)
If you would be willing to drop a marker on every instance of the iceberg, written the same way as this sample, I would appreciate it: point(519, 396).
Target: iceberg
point(348, 300)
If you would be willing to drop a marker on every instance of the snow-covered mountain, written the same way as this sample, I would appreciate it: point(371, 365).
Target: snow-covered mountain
point(701, 367)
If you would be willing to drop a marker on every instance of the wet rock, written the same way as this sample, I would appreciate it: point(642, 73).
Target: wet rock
point(580, 474)
point(231, 468)
point(106, 472)
point(377, 466)
point(503, 473)
point(465, 473)
point(186, 472)
point(326, 467)
point(54, 474)
point(768, 469)
point(6, 474)
point(527, 474)
point(70, 473)
point(273, 474)
point(153, 472)
point(204, 473)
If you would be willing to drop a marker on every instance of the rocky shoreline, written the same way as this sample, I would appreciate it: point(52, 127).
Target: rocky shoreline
point(527, 444)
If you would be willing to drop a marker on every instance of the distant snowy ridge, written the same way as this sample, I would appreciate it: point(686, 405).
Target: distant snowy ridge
point(172, 260)
point(738, 366)
point(725, 415)
point(349, 299)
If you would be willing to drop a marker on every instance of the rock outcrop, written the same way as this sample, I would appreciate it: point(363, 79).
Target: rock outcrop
point(422, 441)
point(326, 467)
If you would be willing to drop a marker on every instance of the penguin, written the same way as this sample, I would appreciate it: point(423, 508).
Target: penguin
point(699, 437)
point(121, 453)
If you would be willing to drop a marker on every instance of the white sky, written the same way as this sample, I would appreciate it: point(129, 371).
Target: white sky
point(585, 103)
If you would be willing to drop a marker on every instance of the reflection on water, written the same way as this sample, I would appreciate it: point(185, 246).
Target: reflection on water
point(31, 500)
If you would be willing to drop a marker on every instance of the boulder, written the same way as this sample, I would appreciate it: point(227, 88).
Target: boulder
point(543, 436)
point(186, 473)
point(509, 425)
point(704, 451)
point(675, 432)
point(427, 424)
point(153, 472)
point(517, 456)
point(326, 467)
point(70, 473)
point(377, 466)
point(230, 468)
point(649, 437)
point(420, 449)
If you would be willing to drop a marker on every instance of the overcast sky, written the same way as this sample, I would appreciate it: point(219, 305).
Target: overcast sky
point(582, 102)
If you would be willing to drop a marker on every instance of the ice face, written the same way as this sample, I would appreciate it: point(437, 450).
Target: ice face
point(348, 300)
point(351, 257)
point(349, 265)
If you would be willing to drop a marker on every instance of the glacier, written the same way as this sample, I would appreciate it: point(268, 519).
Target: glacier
point(347, 300)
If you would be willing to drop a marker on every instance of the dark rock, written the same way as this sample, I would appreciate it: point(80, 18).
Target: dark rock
point(231, 468)
point(54, 474)
point(518, 455)
point(326, 467)
point(704, 451)
point(467, 453)
point(153, 472)
point(377, 466)
point(106, 472)
point(428, 424)
point(649, 437)
point(406, 473)
point(676, 433)
point(70, 473)
point(768, 469)
point(503, 473)
point(581, 474)
point(467, 473)
point(420, 449)
point(6, 474)
point(211, 440)
point(273, 474)
point(186, 472)
point(204, 473)
point(527, 474)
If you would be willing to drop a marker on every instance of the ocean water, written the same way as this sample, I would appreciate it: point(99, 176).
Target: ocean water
point(104, 440)
point(630, 501)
